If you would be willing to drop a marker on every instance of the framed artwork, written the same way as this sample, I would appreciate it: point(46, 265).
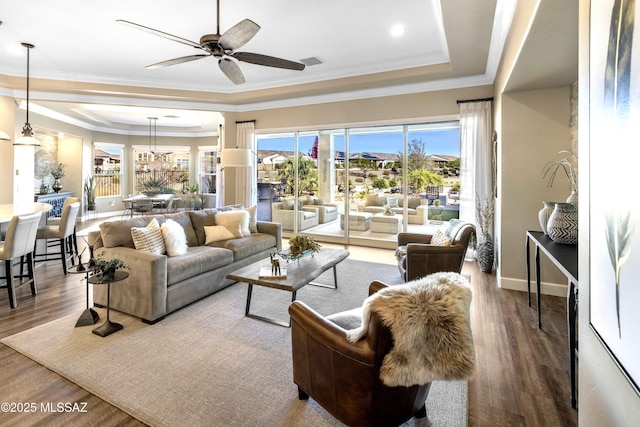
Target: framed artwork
point(614, 207)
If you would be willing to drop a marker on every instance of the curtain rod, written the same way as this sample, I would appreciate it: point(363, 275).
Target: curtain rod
point(464, 101)
point(245, 121)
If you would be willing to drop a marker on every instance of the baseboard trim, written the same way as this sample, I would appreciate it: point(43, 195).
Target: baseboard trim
point(546, 288)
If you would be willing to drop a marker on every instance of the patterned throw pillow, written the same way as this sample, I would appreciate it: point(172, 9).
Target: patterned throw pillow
point(175, 239)
point(149, 238)
point(440, 239)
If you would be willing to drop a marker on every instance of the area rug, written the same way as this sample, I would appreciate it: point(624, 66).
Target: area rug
point(209, 365)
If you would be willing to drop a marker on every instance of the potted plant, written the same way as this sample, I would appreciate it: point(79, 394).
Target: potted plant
point(301, 245)
point(57, 172)
point(90, 192)
point(105, 269)
point(153, 187)
point(566, 165)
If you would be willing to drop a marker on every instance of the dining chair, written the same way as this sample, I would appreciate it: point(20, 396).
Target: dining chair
point(142, 206)
point(128, 206)
point(19, 242)
point(64, 232)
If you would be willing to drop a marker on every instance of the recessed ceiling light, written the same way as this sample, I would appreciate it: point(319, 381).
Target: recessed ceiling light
point(397, 30)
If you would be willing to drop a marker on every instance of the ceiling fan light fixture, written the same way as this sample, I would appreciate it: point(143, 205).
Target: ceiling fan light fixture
point(27, 132)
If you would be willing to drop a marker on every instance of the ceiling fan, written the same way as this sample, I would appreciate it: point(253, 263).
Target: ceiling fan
point(223, 47)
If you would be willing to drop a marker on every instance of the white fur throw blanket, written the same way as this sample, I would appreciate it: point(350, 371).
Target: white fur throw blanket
point(430, 326)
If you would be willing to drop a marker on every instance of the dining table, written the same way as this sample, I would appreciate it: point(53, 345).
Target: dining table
point(156, 200)
point(9, 210)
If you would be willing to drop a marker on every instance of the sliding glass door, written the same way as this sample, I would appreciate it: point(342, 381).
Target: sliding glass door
point(360, 184)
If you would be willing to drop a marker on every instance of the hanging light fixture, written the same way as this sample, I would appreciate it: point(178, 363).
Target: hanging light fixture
point(152, 134)
point(27, 133)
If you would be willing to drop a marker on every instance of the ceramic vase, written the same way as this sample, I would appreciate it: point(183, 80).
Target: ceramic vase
point(544, 214)
point(563, 224)
point(485, 253)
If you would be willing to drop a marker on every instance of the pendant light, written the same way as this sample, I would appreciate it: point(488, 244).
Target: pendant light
point(152, 135)
point(27, 133)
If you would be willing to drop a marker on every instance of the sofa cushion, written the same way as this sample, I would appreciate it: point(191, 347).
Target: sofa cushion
point(149, 238)
point(392, 201)
point(371, 199)
point(197, 260)
point(318, 201)
point(174, 237)
point(215, 233)
point(440, 239)
point(414, 202)
point(247, 246)
point(232, 219)
point(201, 219)
point(118, 233)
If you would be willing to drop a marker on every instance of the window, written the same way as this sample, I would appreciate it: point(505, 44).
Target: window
point(165, 169)
point(107, 159)
point(208, 170)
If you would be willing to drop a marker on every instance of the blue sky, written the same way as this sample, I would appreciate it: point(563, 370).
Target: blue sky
point(436, 142)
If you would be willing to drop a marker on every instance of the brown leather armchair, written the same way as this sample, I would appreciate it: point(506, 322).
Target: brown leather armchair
point(417, 257)
point(344, 377)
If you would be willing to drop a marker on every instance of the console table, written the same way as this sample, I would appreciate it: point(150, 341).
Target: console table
point(565, 257)
point(54, 199)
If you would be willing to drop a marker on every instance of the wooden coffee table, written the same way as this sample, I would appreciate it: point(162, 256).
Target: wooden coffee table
point(299, 274)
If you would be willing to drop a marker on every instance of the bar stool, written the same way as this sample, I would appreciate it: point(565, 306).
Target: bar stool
point(64, 231)
point(19, 242)
point(55, 220)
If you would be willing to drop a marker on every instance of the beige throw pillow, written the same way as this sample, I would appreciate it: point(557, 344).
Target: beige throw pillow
point(234, 220)
point(215, 233)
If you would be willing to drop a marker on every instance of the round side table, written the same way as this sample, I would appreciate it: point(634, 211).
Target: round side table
point(89, 316)
point(108, 327)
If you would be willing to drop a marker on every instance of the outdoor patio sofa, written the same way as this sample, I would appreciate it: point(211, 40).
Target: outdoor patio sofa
point(160, 284)
point(283, 212)
point(417, 212)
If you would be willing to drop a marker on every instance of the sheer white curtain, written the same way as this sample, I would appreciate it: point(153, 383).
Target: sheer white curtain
point(476, 163)
point(246, 186)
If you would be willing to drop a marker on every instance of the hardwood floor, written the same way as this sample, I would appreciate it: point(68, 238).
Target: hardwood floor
point(521, 377)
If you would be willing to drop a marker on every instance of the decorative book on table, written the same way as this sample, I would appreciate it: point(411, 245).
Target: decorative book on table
point(266, 273)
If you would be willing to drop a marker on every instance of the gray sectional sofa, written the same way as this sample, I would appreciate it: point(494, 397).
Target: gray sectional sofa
point(160, 284)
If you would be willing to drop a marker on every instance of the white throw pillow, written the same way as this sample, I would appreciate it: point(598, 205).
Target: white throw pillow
point(253, 219)
point(175, 238)
point(215, 233)
point(232, 220)
point(149, 238)
point(440, 239)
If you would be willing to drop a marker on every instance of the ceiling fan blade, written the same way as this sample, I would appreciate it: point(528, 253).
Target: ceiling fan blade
point(159, 33)
point(269, 61)
point(175, 61)
point(238, 35)
point(231, 70)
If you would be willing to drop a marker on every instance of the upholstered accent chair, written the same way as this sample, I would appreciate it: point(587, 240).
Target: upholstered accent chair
point(285, 214)
point(367, 367)
point(326, 212)
point(417, 255)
